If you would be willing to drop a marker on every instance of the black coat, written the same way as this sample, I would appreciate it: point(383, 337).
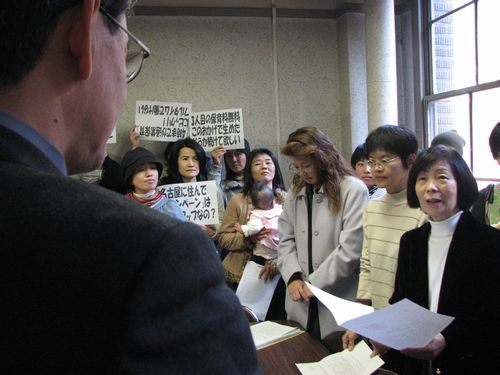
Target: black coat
point(469, 291)
point(91, 283)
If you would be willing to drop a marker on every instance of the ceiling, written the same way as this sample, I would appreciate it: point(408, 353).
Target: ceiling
point(291, 4)
point(251, 8)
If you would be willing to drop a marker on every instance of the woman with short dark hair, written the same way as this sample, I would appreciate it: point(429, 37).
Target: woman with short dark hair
point(450, 266)
point(359, 163)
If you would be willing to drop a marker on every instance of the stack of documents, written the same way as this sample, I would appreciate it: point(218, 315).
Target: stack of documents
point(268, 333)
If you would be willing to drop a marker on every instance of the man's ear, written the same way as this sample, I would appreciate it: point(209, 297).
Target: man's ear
point(81, 34)
point(410, 160)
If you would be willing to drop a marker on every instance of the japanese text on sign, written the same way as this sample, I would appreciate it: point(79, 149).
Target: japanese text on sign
point(218, 128)
point(198, 200)
point(162, 121)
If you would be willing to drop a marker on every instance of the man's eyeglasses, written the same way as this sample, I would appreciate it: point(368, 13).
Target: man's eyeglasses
point(382, 163)
point(137, 51)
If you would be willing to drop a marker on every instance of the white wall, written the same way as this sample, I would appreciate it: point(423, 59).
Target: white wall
point(227, 62)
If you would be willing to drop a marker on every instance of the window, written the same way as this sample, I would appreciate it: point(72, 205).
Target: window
point(463, 77)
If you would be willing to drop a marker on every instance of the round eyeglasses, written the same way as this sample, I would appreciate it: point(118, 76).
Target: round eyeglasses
point(137, 51)
point(380, 164)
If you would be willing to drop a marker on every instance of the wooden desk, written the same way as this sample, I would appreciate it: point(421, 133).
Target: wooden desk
point(280, 358)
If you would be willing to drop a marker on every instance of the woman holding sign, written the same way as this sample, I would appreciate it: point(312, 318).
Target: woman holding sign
point(187, 162)
point(261, 166)
point(450, 266)
point(141, 171)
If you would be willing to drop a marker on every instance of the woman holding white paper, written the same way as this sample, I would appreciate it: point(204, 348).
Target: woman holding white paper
point(450, 266)
point(262, 167)
point(320, 229)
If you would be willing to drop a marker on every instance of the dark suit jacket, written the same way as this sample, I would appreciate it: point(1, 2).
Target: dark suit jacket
point(469, 292)
point(92, 283)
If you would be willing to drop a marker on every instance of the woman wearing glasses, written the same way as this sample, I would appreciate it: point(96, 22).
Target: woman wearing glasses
point(320, 229)
point(359, 162)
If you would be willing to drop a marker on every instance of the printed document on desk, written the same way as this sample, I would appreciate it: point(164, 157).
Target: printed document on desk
point(402, 325)
point(356, 362)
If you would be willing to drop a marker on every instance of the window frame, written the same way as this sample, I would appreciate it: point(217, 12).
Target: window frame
point(428, 96)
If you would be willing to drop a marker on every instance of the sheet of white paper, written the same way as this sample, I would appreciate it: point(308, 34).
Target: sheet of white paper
point(402, 325)
point(254, 292)
point(268, 332)
point(356, 362)
point(341, 309)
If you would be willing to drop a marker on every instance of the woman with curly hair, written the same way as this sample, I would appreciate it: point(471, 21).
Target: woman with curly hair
point(320, 229)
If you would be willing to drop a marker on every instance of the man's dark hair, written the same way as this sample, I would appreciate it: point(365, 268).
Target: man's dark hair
point(495, 141)
point(466, 183)
point(25, 27)
point(394, 139)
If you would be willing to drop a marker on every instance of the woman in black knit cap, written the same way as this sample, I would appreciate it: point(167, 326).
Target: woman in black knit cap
point(141, 171)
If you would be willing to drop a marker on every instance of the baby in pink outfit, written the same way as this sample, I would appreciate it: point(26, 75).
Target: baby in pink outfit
point(264, 215)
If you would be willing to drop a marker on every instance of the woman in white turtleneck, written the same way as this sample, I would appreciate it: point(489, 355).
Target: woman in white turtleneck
point(451, 266)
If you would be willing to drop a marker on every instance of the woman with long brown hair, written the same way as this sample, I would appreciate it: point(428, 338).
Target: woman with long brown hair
point(320, 229)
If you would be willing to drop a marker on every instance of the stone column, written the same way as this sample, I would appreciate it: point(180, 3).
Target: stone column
point(352, 80)
point(381, 79)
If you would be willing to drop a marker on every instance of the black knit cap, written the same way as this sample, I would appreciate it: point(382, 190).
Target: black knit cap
point(136, 158)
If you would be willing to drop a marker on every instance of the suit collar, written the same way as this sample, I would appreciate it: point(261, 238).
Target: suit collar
point(30, 135)
point(16, 149)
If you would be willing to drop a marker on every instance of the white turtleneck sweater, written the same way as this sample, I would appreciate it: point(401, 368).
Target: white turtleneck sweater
point(439, 244)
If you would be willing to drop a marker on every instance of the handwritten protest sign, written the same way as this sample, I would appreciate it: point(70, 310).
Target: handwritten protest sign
point(198, 200)
point(162, 121)
point(218, 128)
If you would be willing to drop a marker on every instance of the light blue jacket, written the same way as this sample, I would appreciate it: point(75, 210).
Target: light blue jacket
point(169, 207)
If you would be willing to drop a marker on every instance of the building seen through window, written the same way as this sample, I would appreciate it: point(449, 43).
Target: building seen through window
point(463, 77)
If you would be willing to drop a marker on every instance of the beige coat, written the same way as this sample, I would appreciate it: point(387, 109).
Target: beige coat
point(336, 247)
point(240, 248)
